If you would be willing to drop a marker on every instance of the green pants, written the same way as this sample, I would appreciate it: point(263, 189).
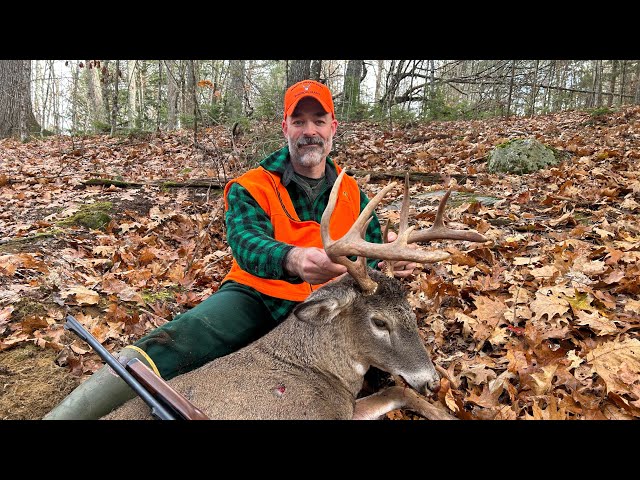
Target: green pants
point(226, 321)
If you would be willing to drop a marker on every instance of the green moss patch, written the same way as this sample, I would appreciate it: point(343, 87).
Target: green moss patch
point(94, 216)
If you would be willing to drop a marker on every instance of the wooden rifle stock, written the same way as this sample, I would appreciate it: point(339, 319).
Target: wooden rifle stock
point(158, 394)
point(163, 391)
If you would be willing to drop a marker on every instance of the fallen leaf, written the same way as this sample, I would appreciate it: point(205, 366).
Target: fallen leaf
point(612, 358)
point(83, 295)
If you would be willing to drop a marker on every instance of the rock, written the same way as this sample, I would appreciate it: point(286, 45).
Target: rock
point(523, 155)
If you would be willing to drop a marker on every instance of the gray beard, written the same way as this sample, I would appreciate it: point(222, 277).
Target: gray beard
point(308, 159)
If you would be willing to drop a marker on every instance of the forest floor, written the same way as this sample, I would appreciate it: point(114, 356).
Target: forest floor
point(541, 322)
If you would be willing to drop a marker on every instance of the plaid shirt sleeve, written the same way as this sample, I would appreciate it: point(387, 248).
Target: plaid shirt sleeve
point(250, 236)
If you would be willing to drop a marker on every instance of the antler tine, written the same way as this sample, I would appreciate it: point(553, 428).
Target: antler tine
point(387, 267)
point(438, 231)
point(353, 242)
point(404, 223)
point(404, 212)
point(358, 268)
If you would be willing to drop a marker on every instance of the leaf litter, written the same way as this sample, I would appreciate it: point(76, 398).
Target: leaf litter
point(539, 323)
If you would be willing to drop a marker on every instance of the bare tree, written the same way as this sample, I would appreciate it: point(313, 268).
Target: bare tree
point(172, 94)
point(236, 91)
point(636, 97)
point(378, 89)
point(511, 83)
point(298, 70)
point(114, 102)
point(316, 69)
point(189, 90)
point(351, 88)
point(16, 115)
point(94, 92)
point(622, 83)
point(132, 92)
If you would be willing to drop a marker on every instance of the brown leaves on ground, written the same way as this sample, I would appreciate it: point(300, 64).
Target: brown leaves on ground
point(539, 323)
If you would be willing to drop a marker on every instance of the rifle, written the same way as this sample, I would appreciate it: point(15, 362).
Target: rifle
point(165, 402)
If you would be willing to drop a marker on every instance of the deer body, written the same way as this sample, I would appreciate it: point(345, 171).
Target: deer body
point(312, 365)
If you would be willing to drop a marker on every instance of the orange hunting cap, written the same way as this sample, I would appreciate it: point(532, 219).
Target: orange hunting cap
point(308, 88)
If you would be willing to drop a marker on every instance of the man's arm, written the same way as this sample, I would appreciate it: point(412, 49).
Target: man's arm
point(250, 236)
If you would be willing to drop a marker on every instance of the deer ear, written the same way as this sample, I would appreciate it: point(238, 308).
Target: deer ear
point(323, 309)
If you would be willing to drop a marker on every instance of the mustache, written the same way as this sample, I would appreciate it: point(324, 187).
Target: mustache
point(310, 141)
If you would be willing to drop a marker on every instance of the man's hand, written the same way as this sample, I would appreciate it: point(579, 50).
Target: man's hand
point(312, 265)
point(401, 268)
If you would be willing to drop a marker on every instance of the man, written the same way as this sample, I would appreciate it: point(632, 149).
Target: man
point(272, 215)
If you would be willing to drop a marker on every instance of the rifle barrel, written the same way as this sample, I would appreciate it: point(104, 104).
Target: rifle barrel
point(157, 409)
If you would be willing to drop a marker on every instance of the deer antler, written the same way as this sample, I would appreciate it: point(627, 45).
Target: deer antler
point(353, 242)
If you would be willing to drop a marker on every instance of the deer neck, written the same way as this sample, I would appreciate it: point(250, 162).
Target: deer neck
point(320, 350)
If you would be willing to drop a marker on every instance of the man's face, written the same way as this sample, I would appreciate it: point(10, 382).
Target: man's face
point(309, 130)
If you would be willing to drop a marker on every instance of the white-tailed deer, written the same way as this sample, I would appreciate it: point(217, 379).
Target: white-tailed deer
point(312, 365)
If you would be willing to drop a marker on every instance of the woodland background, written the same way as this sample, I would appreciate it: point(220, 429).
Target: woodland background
point(110, 209)
point(122, 96)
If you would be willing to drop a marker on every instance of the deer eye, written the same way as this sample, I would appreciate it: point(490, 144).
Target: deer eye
point(379, 323)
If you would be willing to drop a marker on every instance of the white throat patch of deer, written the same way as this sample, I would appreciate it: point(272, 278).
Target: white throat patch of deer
point(312, 365)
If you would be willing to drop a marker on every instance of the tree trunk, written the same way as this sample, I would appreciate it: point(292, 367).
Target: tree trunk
point(132, 93)
point(614, 80)
point(188, 103)
point(234, 98)
point(105, 82)
point(351, 88)
point(15, 99)
point(513, 69)
point(49, 98)
point(172, 94)
point(316, 68)
point(159, 97)
point(623, 82)
point(378, 92)
point(94, 91)
point(74, 99)
point(534, 90)
point(39, 68)
point(114, 102)
point(597, 84)
point(298, 70)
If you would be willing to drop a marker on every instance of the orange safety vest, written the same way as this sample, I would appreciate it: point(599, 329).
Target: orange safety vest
point(273, 198)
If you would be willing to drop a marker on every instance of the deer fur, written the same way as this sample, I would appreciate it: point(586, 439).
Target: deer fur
point(312, 365)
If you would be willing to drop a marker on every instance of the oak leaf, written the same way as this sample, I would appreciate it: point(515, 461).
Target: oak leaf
point(574, 359)
point(589, 267)
point(489, 311)
point(83, 295)
point(599, 324)
point(617, 363)
point(546, 272)
point(632, 306)
point(550, 302)
point(541, 381)
point(551, 411)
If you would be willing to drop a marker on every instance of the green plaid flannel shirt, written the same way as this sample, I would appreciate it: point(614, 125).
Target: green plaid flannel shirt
point(250, 233)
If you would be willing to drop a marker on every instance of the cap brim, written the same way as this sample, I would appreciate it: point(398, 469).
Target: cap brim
point(295, 103)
